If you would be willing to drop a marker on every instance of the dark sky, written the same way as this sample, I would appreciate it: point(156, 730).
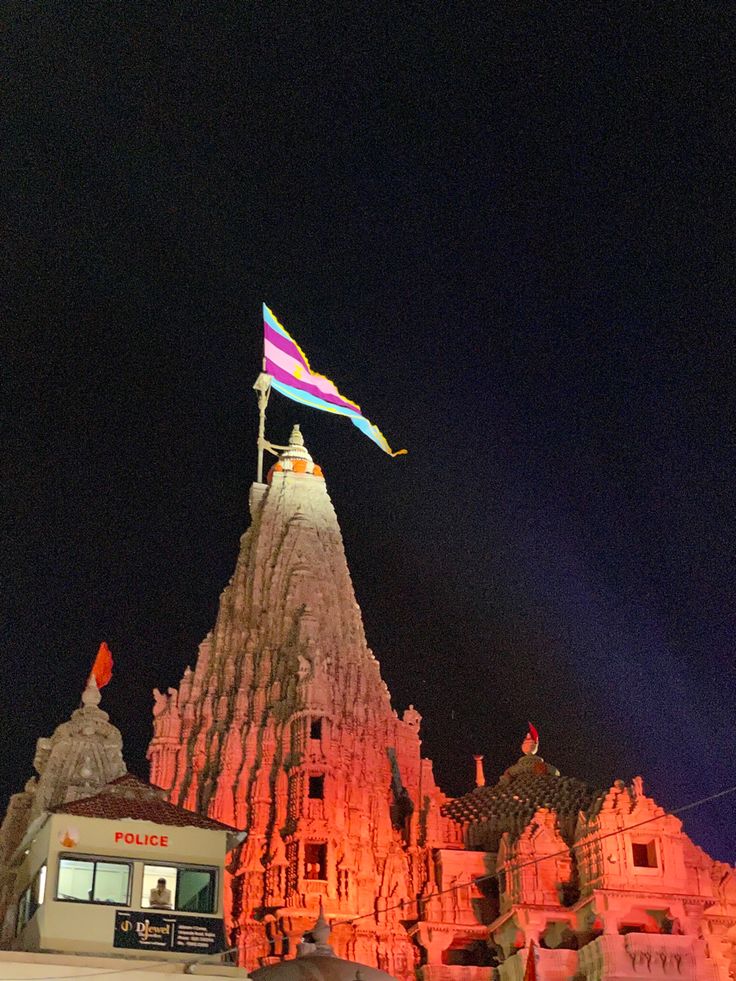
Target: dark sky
point(507, 230)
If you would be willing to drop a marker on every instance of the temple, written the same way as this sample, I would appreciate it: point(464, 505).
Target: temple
point(285, 729)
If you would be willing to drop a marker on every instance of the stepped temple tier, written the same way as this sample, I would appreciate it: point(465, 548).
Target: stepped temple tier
point(285, 729)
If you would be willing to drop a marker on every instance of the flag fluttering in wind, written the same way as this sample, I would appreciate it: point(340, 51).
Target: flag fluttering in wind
point(293, 377)
point(102, 668)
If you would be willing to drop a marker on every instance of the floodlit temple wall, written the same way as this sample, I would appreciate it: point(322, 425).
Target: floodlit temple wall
point(285, 728)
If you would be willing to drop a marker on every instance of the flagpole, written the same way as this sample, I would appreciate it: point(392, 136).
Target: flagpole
point(262, 388)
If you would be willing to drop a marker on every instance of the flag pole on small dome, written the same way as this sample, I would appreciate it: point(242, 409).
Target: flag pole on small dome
point(286, 369)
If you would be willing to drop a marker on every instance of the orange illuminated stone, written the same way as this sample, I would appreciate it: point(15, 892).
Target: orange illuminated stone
point(317, 471)
point(299, 466)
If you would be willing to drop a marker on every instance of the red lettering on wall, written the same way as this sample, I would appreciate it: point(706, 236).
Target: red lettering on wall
point(145, 841)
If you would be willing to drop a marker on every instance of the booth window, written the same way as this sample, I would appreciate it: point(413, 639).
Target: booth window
point(189, 889)
point(88, 880)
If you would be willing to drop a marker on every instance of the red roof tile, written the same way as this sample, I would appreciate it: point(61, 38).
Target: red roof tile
point(129, 797)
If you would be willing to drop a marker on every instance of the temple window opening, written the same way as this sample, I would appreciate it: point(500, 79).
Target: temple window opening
point(644, 854)
point(317, 787)
point(315, 860)
point(315, 729)
point(467, 952)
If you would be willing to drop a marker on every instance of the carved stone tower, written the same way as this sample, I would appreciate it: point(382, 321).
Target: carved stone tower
point(285, 729)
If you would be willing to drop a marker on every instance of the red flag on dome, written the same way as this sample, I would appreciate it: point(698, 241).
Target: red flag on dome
point(530, 974)
point(102, 668)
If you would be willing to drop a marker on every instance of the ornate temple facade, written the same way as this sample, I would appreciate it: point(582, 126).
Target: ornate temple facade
point(285, 729)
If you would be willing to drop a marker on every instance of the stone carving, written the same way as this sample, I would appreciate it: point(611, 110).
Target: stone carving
point(81, 756)
point(285, 728)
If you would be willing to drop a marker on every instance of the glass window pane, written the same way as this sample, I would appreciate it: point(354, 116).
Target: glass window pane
point(40, 884)
point(159, 887)
point(23, 904)
point(196, 891)
point(75, 879)
point(111, 883)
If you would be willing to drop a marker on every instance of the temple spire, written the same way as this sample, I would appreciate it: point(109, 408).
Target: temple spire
point(480, 777)
point(285, 729)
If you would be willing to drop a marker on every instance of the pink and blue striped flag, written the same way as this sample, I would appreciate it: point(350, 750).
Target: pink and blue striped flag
point(291, 375)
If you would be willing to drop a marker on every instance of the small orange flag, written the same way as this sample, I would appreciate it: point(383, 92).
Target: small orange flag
point(530, 974)
point(102, 668)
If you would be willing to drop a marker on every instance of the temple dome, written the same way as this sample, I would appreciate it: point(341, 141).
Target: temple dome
point(316, 961)
point(319, 967)
point(511, 803)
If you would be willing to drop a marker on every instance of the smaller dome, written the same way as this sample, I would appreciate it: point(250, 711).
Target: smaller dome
point(318, 967)
point(296, 458)
point(522, 789)
point(315, 961)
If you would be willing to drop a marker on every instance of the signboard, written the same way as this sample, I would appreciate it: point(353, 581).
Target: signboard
point(167, 931)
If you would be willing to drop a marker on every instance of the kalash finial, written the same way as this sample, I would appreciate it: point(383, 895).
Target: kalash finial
point(316, 940)
point(296, 438)
point(91, 694)
point(321, 930)
point(295, 458)
point(530, 746)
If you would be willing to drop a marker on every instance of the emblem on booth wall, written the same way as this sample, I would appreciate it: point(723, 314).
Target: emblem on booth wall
point(69, 837)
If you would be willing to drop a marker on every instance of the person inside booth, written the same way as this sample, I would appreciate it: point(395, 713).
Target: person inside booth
point(160, 896)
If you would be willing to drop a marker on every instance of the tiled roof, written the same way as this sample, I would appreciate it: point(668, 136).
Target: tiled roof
point(129, 797)
point(510, 805)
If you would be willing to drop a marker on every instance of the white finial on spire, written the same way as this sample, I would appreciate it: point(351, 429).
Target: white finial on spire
point(316, 941)
point(91, 694)
point(296, 438)
point(321, 929)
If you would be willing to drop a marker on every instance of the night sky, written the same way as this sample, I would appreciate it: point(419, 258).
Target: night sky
point(507, 231)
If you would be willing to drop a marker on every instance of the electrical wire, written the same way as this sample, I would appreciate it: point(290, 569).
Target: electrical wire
point(563, 852)
point(402, 904)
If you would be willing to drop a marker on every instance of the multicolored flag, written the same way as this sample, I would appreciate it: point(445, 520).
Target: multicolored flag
point(292, 375)
point(102, 668)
